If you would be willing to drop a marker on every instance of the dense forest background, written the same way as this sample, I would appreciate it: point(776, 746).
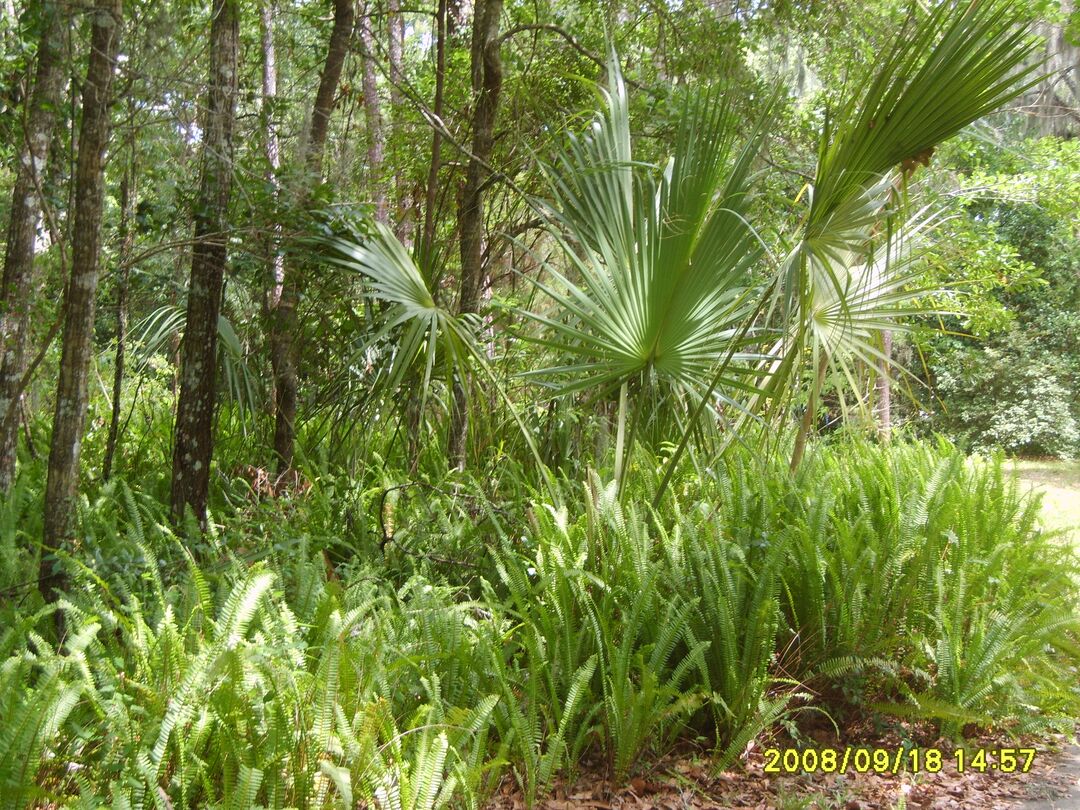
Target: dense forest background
point(406, 399)
point(340, 112)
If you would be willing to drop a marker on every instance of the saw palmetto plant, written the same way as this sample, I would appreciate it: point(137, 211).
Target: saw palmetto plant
point(665, 295)
point(660, 288)
point(941, 73)
point(660, 261)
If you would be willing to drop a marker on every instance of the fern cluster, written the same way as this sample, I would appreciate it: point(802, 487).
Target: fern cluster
point(241, 671)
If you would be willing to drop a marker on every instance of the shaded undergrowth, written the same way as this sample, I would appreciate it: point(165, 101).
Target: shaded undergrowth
point(411, 647)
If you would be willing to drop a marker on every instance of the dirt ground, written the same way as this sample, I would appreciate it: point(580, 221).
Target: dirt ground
point(1053, 783)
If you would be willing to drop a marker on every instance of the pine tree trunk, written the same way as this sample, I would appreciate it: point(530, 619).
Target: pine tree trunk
point(487, 86)
point(71, 393)
point(15, 295)
point(193, 440)
point(284, 325)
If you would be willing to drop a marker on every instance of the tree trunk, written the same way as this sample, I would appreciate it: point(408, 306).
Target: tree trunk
point(127, 235)
point(1055, 101)
point(884, 387)
point(427, 245)
point(403, 222)
point(283, 320)
point(193, 440)
point(376, 153)
point(487, 85)
point(71, 393)
point(15, 295)
point(427, 236)
point(276, 266)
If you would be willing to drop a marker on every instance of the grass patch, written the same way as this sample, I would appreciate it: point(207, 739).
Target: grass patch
point(1059, 481)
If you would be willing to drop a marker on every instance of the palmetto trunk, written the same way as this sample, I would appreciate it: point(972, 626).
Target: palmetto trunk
point(284, 324)
point(71, 392)
point(193, 440)
point(807, 422)
point(15, 296)
point(487, 86)
point(884, 386)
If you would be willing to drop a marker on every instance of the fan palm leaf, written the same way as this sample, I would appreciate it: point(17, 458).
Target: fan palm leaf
point(156, 330)
point(425, 339)
point(941, 72)
point(659, 260)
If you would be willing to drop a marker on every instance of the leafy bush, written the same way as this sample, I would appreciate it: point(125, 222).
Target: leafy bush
point(1014, 253)
point(1010, 394)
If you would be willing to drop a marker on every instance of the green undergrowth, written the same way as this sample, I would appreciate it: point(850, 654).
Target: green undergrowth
point(396, 644)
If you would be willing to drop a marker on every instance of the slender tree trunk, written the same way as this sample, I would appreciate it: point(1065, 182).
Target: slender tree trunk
point(276, 269)
point(15, 295)
point(376, 153)
point(396, 27)
point(193, 440)
point(9, 10)
point(127, 235)
point(427, 237)
point(25, 419)
point(403, 222)
point(1055, 101)
point(71, 393)
point(283, 321)
point(428, 242)
point(884, 386)
point(487, 86)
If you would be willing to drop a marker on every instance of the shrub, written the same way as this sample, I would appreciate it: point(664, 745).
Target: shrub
point(1011, 395)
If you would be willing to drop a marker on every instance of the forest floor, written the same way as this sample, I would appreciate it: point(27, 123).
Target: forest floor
point(1053, 782)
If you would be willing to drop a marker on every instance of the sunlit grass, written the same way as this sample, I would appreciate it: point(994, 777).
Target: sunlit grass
point(1059, 481)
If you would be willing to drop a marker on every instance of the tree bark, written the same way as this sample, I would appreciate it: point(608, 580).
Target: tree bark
point(127, 236)
point(276, 267)
point(71, 393)
point(403, 221)
point(15, 295)
point(283, 319)
point(376, 153)
point(487, 86)
point(427, 244)
point(193, 440)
